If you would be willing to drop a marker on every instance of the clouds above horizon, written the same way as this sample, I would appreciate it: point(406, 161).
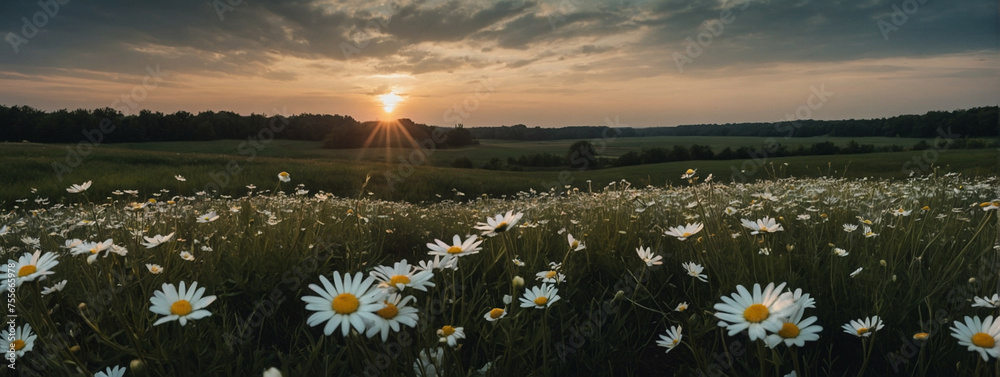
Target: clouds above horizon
point(331, 56)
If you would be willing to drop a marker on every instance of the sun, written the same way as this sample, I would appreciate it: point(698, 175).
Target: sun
point(389, 101)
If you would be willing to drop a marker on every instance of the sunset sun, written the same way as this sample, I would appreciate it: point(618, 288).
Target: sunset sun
point(389, 101)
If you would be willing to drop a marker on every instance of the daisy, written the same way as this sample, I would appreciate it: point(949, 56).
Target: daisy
point(647, 256)
point(180, 178)
point(272, 372)
point(574, 244)
point(683, 232)
point(987, 302)
point(180, 304)
point(187, 256)
point(901, 212)
point(284, 177)
point(758, 313)
point(92, 248)
point(346, 302)
point(393, 313)
point(23, 340)
point(681, 307)
point(500, 224)
point(803, 217)
point(980, 336)
point(850, 227)
point(540, 297)
point(694, 270)
point(550, 276)
point(518, 262)
point(869, 233)
point(208, 217)
point(795, 331)
point(765, 225)
point(765, 251)
point(451, 335)
point(840, 252)
point(689, 173)
point(55, 288)
point(117, 371)
point(671, 339)
point(76, 189)
point(426, 364)
point(155, 269)
point(438, 263)
point(402, 275)
point(156, 240)
point(864, 328)
point(457, 247)
point(495, 314)
point(30, 267)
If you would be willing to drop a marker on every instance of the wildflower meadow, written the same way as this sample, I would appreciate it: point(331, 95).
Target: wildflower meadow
point(787, 277)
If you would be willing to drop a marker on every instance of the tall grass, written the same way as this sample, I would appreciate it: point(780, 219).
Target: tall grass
point(919, 274)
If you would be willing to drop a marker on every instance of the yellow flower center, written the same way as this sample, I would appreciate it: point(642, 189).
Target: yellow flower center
point(284, 174)
point(399, 279)
point(756, 313)
point(93, 250)
point(926, 208)
point(389, 311)
point(550, 275)
point(541, 300)
point(26, 270)
point(454, 250)
point(763, 228)
point(18, 345)
point(447, 330)
point(674, 343)
point(575, 244)
point(496, 313)
point(788, 330)
point(181, 307)
point(345, 303)
point(983, 340)
point(501, 227)
point(686, 235)
point(921, 336)
point(862, 331)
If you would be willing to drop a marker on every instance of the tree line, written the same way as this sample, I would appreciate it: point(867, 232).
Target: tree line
point(974, 122)
point(24, 123)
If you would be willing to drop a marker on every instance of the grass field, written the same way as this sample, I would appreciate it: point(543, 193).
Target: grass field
point(114, 168)
point(502, 149)
point(921, 253)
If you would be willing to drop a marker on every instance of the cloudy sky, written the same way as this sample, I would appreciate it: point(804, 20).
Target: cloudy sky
point(539, 62)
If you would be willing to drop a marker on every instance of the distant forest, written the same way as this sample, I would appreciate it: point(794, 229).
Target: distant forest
point(107, 125)
point(976, 122)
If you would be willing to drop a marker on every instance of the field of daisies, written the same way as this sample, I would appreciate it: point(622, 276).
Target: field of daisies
point(791, 277)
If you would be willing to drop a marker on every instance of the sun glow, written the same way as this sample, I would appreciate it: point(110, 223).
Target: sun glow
point(389, 101)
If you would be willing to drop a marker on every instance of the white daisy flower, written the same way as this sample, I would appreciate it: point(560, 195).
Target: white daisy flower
point(550, 276)
point(759, 312)
point(450, 334)
point(54, 288)
point(457, 248)
point(156, 240)
point(23, 340)
point(863, 328)
point(540, 297)
point(76, 189)
point(346, 302)
point(208, 217)
point(671, 339)
point(180, 304)
point(393, 313)
point(499, 224)
point(154, 268)
point(402, 275)
point(982, 336)
point(647, 256)
point(683, 232)
point(987, 302)
point(495, 314)
point(765, 225)
point(574, 244)
point(694, 270)
point(117, 371)
point(31, 267)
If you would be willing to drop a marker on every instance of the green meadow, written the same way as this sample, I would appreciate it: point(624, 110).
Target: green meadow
point(841, 265)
